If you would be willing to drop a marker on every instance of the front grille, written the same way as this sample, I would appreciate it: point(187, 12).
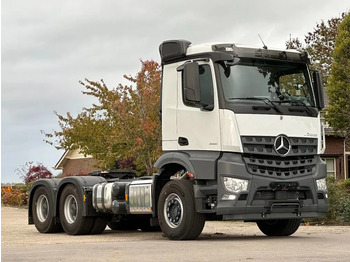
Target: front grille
point(280, 167)
point(260, 145)
point(261, 158)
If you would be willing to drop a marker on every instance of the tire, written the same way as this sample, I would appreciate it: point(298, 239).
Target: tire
point(71, 208)
point(177, 216)
point(283, 227)
point(98, 225)
point(41, 210)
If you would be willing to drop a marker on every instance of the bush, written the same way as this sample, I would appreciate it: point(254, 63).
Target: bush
point(30, 172)
point(339, 203)
point(339, 200)
point(346, 185)
point(344, 201)
point(13, 196)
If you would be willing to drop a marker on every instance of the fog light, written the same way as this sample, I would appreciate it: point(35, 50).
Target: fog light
point(321, 184)
point(229, 197)
point(235, 185)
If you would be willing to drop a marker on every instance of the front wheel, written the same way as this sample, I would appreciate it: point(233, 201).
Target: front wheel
point(177, 216)
point(283, 227)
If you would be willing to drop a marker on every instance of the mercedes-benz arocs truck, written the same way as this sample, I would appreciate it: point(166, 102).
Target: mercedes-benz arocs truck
point(241, 137)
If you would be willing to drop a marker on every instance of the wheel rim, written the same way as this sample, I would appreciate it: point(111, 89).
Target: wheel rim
point(70, 209)
point(173, 210)
point(42, 208)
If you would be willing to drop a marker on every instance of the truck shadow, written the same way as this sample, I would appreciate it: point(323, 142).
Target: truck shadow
point(230, 237)
point(207, 236)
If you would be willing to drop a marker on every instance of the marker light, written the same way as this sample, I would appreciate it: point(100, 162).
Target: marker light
point(229, 197)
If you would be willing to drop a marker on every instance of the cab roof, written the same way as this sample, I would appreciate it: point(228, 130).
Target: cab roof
point(177, 50)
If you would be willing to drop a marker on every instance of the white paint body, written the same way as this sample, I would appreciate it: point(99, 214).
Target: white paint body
point(221, 129)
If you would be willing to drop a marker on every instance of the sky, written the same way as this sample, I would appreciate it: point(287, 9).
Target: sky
point(48, 46)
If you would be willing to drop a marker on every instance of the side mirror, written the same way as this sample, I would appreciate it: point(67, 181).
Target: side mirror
point(318, 89)
point(191, 84)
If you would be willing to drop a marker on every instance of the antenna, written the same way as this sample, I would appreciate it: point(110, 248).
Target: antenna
point(265, 47)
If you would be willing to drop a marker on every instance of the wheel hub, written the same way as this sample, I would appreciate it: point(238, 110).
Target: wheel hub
point(42, 208)
point(70, 209)
point(173, 210)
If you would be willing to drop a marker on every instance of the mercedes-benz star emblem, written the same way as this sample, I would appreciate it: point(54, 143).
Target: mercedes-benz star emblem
point(282, 145)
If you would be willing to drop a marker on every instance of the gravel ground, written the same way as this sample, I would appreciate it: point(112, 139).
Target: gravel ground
point(219, 241)
point(16, 232)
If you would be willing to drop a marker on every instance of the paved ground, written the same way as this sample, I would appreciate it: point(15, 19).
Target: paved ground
point(219, 241)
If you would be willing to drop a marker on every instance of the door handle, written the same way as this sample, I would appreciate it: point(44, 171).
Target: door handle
point(183, 141)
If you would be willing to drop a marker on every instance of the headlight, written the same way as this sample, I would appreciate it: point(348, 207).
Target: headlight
point(321, 184)
point(235, 185)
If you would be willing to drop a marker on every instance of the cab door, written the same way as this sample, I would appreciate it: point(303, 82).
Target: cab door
point(198, 124)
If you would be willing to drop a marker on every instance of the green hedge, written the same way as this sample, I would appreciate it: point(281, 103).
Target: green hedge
point(339, 201)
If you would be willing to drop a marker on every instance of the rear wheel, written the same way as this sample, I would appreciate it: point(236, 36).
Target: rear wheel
point(41, 210)
point(177, 216)
point(283, 227)
point(71, 212)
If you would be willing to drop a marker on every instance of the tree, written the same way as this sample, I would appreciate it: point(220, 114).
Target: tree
point(338, 114)
point(320, 44)
point(124, 125)
point(294, 43)
point(30, 173)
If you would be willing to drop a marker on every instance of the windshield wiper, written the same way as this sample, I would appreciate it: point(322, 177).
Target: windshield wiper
point(298, 103)
point(264, 99)
point(301, 103)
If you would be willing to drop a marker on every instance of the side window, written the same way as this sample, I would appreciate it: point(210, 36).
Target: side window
point(206, 87)
point(206, 82)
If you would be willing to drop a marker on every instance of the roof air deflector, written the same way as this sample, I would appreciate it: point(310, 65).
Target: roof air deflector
point(173, 49)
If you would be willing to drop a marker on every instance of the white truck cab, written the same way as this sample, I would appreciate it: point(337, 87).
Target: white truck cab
point(245, 123)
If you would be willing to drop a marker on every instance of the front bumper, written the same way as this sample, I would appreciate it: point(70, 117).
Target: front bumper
point(269, 197)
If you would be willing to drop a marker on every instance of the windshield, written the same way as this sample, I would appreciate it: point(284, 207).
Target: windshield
point(278, 81)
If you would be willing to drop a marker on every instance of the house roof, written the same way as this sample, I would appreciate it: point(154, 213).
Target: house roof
point(70, 154)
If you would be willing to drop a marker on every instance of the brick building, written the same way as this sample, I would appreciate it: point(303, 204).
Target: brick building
point(73, 163)
point(335, 156)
